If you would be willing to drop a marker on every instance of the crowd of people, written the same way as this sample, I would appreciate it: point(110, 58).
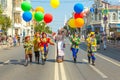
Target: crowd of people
point(9, 40)
point(41, 42)
point(40, 45)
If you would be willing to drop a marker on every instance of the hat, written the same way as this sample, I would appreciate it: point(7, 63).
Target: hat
point(27, 37)
point(92, 33)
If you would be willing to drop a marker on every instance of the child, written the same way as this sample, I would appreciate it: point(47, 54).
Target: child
point(44, 41)
point(36, 41)
point(75, 40)
point(92, 47)
point(28, 49)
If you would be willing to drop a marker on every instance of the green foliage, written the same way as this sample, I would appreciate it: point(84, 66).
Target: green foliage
point(5, 21)
point(42, 27)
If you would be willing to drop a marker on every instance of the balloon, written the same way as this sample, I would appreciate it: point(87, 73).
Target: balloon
point(71, 23)
point(41, 9)
point(48, 18)
point(26, 6)
point(27, 16)
point(33, 13)
point(78, 8)
point(79, 15)
point(79, 22)
point(54, 3)
point(39, 16)
point(92, 10)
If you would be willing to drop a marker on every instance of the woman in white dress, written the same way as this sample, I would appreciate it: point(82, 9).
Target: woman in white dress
point(60, 47)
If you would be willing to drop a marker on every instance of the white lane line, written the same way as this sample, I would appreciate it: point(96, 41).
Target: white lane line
point(97, 70)
point(6, 62)
point(108, 60)
point(63, 75)
point(56, 77)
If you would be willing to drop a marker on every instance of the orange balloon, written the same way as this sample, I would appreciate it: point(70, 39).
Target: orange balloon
point(79, 22)
point(41, 9)
point(71, 23)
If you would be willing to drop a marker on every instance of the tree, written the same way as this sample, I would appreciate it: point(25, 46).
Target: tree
point(42, 27)
point(5, 21)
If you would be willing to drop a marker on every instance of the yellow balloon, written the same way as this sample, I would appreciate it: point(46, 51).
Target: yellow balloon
point(54, 3)
point(79, 22)
point(71, 23)
point(33, 14)
point(39, 8)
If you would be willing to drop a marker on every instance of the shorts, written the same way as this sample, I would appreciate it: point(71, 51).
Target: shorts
point(28, 52)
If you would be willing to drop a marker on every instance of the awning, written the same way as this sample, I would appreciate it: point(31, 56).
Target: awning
point(89, 27)
point(114, 25)
point(97, 25)
point(17, 25)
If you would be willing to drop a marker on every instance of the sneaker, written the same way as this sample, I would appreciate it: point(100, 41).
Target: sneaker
point(43, 62)
point(74, 60)
point(93, 64)
point(26, 63)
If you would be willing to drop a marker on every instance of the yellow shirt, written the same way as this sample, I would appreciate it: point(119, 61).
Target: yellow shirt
point(36, 43)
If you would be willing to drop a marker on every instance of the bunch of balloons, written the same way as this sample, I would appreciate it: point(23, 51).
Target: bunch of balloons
point(40, 16)
point(79, 13)
point(37, 15)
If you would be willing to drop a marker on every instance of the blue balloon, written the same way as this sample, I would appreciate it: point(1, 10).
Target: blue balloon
point(78, 8)
point(92, 10)
point(27, 16)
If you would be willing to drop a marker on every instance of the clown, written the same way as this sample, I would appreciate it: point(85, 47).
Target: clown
point(44, 41)
point(28, 49)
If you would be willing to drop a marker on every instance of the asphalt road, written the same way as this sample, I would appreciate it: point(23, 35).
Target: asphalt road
point(107, 65)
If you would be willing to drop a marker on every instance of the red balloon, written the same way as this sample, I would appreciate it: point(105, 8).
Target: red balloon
point(79, 15)
point(48, 18)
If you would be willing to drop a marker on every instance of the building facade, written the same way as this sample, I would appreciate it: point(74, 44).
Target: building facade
point(12, 9)
point(105, 17)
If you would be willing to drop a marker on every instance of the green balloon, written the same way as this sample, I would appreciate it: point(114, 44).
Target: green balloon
point(26, 6)
point(39, 16)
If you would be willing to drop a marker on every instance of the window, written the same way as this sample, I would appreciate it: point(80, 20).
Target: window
point(17, 3)
point(114, 16)
point(17, 18)
point(3, 3)
point(99, 16)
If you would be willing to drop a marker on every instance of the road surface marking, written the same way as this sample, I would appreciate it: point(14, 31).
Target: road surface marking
point(6, 62)
point(108, 60)
point(97, 70)
point(56, 77)
point(62, 71)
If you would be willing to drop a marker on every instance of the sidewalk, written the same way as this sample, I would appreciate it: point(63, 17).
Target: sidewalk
point(3, 46)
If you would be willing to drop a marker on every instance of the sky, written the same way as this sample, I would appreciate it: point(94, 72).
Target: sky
point(65, 9)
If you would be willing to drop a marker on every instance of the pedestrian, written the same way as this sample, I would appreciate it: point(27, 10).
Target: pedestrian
point(98, 38)
point(18, 39)
point(44, 41)
point(28, 50)
point(36, 42)
point(92, 45)
point(104, 39)
point(10, 41)
point(60, 47)
point(75, 40)
point(14, 40)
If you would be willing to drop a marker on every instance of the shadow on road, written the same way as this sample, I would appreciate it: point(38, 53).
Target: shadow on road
point(71, 61)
